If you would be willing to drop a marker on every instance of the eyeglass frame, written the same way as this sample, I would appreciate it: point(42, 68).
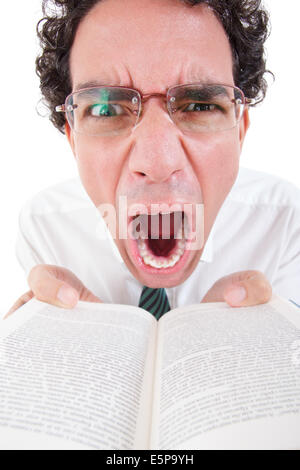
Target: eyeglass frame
point(144, 97)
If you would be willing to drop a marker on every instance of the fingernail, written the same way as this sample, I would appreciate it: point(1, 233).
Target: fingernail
point(236, 295)
point(67, 296)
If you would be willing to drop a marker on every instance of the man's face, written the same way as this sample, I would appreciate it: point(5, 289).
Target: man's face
point(151, 46)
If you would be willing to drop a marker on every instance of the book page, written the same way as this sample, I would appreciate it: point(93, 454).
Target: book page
point(228, 378)
point(75, 378)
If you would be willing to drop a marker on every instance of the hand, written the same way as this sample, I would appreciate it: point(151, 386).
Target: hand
point(241, 289)
point(55, 286)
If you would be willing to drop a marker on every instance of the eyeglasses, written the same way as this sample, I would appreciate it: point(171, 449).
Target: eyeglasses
point(194, 108)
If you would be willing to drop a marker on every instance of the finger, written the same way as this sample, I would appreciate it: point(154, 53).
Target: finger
point(215, 293)
point(88, 296)
point(67, 276)
point(21, 301)
point(48, 288)
point(242, 288)
point(252, 289)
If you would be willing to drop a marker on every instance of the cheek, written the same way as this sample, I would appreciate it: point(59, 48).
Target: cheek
point(216, 163)
point(220, 168)
point(97, 168)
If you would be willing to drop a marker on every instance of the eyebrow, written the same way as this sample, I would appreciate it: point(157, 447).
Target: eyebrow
point(205, 92)
point(103, 95)
point(90, 84)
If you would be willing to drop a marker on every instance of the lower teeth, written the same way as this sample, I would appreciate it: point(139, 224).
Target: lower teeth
point(157, 261)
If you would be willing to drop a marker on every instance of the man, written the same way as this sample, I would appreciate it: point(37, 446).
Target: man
point(197, 67)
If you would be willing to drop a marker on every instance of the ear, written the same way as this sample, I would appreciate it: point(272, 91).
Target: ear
point(244, 126)
point(70, 137)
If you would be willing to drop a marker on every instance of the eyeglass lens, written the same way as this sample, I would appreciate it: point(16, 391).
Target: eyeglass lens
point(103, 111)
point(109, 111)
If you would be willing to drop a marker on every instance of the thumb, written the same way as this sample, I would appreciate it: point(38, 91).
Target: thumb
point(248, 288)
point(241, 289)
point(58, 286)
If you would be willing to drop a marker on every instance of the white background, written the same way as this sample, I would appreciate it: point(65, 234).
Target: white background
point(35, 155)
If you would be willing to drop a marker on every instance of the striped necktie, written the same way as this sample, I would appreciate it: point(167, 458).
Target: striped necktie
point(154, 301)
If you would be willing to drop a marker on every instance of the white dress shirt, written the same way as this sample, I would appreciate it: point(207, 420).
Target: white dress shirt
point(258, 227)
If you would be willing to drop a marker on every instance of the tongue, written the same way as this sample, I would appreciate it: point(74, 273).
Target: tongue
point(161, 247)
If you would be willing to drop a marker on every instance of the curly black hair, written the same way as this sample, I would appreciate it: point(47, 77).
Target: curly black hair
point(246, 23)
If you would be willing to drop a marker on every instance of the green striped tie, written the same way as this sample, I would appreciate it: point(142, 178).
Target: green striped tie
point(154, 301)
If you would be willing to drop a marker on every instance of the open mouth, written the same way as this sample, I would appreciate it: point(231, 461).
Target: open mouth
point(161, 239)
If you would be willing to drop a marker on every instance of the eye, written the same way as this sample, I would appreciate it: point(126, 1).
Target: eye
point(200, 107)
point(105, 109)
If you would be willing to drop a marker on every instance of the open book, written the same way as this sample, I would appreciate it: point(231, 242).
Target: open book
point(112, 377)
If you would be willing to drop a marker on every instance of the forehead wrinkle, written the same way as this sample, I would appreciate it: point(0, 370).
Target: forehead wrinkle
point(185, 74)
point(114, 77)
point(193, 73)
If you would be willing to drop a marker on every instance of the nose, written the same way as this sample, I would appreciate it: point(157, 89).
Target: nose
point(157, 152)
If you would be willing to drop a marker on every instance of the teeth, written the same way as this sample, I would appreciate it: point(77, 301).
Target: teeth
point(142, 245)
point(159, 262)
point(181, 244)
